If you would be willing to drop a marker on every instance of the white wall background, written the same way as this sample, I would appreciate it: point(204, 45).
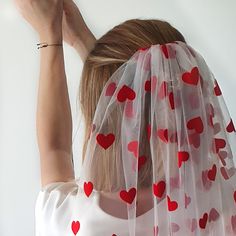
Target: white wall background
point(208, 25)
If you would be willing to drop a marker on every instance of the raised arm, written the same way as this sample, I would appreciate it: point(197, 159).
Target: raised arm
point(54, 122)
point(75, 31)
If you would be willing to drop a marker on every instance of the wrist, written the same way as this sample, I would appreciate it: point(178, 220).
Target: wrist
point(51, 36)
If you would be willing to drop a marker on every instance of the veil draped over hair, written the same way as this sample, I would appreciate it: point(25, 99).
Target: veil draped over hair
point(163, 143)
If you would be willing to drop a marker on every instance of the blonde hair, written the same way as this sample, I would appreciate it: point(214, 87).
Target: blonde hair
point(109, 53)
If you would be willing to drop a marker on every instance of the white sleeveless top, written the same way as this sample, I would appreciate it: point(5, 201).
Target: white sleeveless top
point(62, 209)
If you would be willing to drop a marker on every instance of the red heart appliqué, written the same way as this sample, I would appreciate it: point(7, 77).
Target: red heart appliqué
point(163, 134)
point(206, 183)
point(196, 123)
point(141, 161)
point(153, 83)
point(171, 100)
point(110, 89)
point(182, 157)
point(143, 49)
point(172, 205)
point(159, 188)
point(203, 221)
point(174, 137)
point(187, 200)
point(194, 139)
point(213, 215)
point(75, 226)
point(233, 223)
point(163, 90)
point(212, 173)
point(227, 173)
point(168, 52)
point(191, 77)
point(148, 131)
point(128, 196)
point(147, 85)
point(164, 50)
point(126, 93)
point(88, 188)
point(216, 128)
point(133, 147)
point(174, 227)
point(217, 89)
point(105, 140)
point(219, 143)
point(230, 127)
point(222, 155)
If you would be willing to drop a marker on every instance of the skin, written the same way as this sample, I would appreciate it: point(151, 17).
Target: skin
point(55, 21)
point(75, 31)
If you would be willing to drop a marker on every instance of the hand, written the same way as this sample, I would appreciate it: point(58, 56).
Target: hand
point(45, 16)
point(73, 25)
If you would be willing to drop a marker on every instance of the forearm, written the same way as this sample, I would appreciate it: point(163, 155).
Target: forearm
point(54, 121)
point(85, 43)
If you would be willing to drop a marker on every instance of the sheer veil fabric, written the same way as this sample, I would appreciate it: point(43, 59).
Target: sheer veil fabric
point(162, 128)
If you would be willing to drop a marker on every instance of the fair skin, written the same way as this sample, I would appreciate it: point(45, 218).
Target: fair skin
point(55, 21)
point(75, 31)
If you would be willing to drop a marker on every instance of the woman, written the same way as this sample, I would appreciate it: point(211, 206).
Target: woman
point(158, 151)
